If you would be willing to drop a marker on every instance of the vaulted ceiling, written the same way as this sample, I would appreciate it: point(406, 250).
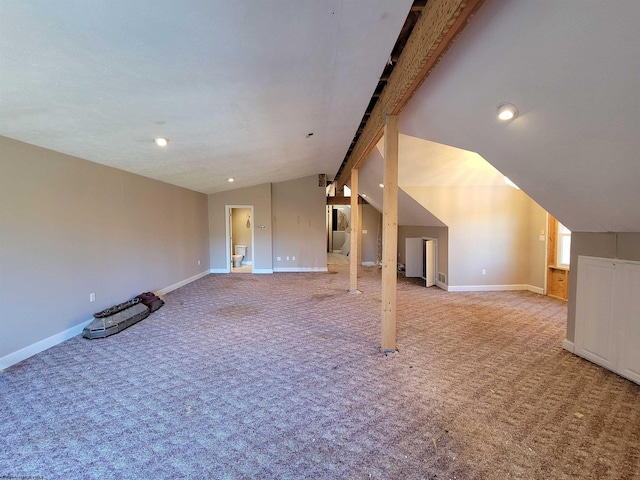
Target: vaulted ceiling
point(573, 70)
point(236, 86)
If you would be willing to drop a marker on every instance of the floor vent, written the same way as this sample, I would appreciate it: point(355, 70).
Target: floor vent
point(442, 278)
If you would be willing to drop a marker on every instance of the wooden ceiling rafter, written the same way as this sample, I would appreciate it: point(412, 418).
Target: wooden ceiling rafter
point(436, 25)
point(342, 200)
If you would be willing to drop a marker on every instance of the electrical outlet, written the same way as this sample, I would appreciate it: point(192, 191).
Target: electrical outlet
point(484, 272)
point(287, 258)
point(92, 297)
point(293, 258)
point(198, 262)
point(278, 258)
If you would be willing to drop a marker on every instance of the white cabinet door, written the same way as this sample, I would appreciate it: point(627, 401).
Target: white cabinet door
point(595, 332)
point(413, 257)
point(629, 358)
point(429, 263)
point(608, 314)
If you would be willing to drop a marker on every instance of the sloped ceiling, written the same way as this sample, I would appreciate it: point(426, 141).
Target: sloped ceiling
point(236, 86)
point(370, 175)
point(422, 163)
point(426, 164)
point(572, 69)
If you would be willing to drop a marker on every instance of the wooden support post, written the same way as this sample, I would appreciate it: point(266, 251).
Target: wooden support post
point(355, 233)
point(360, 207)
point(390, 234)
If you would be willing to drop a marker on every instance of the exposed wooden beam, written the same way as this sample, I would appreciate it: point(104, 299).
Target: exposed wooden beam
point(435, 31)
point(342, 200)
point(390, 234)
point(418, 5)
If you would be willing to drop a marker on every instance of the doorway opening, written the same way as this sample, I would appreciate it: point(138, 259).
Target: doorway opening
point(338, 234)
point(240, 241)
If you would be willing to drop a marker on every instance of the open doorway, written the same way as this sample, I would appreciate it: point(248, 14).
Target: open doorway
point(338, 234)
point(240, 241)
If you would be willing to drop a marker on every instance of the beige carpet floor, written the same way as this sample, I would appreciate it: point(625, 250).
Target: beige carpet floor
point(243, 376)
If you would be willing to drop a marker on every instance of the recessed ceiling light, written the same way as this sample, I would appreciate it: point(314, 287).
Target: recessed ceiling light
point(161, 141)
point(507, 111)
point(231, 179)
point(382, 185)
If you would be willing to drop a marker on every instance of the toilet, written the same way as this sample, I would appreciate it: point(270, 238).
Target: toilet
point(240, 252)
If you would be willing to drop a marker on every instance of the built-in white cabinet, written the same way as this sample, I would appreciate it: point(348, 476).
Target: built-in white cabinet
point(629, 358)
point(607, 329)
point(420, 259)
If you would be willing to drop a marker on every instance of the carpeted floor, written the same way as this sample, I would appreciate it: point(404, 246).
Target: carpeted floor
point(337, 259)
point(280, 377)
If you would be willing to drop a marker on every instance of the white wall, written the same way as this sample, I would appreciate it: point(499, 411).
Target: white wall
point(492, 229)
point(293, 214)
point(299, 225)
point(258, 196)
point(371, 220)
point(70, 227)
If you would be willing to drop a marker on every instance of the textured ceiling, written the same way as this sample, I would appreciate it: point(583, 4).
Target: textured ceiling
point(573, 70)
point(423, 163)
point(426, 164)
point(410, 212)
point(236, 86)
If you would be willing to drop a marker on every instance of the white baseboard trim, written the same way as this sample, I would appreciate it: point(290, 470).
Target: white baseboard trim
point(175, 286)
point(568, 346)
point(492, 288)
point(53, 340)
point(228, 270)
point(369, 264)
point(300, 269)
point(42, 345)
